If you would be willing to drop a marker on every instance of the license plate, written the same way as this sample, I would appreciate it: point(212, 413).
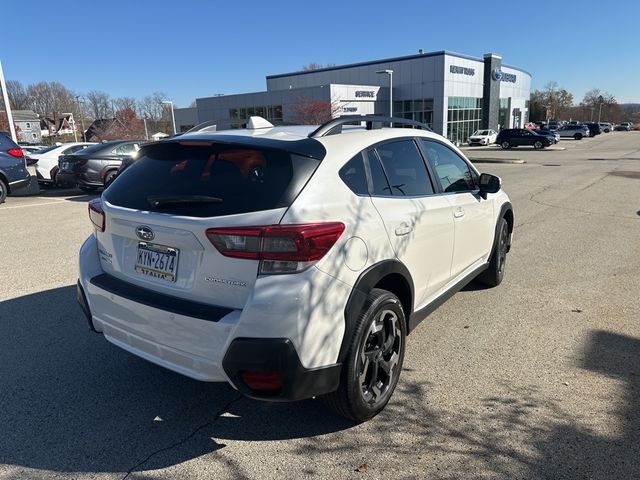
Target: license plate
point(65, 166)
point(157, 261)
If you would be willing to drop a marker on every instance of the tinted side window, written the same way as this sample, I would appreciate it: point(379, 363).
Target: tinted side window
point(73, 149)
point(354, 176)
point(405, 169)
point(379, 184)
point(126, 149)
point(453, 171)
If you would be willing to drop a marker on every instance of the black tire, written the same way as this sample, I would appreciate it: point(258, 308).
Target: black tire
point(492, 276)
point(373, 363)
point(110, 177)
point(578, 136)
point(505, 145)
point(4, 190)
point(538, 145)
point(88, 189)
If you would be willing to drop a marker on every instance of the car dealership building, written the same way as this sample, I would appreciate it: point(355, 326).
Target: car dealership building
point(453, 93)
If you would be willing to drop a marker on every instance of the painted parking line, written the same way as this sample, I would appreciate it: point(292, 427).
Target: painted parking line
point(54, 202)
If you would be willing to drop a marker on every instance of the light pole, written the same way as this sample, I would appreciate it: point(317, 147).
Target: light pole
point(75, 130)
point(146, 132)
point(600, 99)
point(7, 105)
point(390, 73)
point(173, 118)
point(78, 102)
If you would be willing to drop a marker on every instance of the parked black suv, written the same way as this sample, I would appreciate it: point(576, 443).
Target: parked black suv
point(515, 137)
point(594, 129)
point(13, 167)
point(95, 166)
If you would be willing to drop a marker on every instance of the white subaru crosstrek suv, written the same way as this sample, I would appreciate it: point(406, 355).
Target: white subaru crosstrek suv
point(291, 262)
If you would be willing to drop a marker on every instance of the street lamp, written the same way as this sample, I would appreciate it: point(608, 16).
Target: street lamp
point(390, 73)
point(600, 99)
point(173, 118)
point(84, 138)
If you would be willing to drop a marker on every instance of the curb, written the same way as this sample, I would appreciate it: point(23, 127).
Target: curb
point(513, 161)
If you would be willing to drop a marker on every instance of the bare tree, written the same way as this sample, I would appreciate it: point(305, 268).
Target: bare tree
point(315, 112)
point(99, 104)
point(152, 107)
point(18, 97)
point(124, 103)
point(50, 98)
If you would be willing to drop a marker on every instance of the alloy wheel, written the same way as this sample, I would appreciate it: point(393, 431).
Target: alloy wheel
point(378, 358)
point(502, 249)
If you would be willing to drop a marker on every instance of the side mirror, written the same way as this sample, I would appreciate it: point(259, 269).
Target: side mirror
point(489, 184)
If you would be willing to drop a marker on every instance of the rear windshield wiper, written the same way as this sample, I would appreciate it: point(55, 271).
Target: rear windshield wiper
point(162, 200)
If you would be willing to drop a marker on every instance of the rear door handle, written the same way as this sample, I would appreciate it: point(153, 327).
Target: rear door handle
point(458, 212)
point(403, 229)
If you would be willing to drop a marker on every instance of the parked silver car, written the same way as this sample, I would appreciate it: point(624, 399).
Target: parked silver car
point(605, 127)
point(577, 132)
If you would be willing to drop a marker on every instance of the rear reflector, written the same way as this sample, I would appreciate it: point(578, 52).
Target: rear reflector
point(96, 214)
point(258, 381)
point(15, 152)
point(281, 248)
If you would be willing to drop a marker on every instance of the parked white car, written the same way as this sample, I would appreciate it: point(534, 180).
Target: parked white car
point(29, 149)
point(222, 256)
point(605, 127)
point(47, 166)
point(483, 137)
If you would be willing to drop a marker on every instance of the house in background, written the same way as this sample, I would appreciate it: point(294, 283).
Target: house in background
point(27, 124)
point(57, 124)
point(158, 136)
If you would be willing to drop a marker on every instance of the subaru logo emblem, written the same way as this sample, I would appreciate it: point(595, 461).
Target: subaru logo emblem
point(144, 233)
point(497, 74)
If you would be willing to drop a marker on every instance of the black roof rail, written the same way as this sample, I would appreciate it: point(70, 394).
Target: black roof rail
point(334, 126)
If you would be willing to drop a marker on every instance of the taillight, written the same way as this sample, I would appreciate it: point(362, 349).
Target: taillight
point(96, 214)
point(262, 381)
point(15, 152)
point(280, 248)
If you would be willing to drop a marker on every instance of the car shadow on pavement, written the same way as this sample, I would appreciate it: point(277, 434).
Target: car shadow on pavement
point(72, 402)
point(573, 452)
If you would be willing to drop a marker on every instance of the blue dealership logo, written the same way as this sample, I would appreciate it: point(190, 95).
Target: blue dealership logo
point(500, 76)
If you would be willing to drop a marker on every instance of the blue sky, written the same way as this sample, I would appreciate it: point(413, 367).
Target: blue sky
point(198, 48)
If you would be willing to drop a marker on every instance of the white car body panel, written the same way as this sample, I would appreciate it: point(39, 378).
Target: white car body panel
point(427, 234)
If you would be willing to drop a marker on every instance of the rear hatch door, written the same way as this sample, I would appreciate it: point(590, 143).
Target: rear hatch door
point(159, 209)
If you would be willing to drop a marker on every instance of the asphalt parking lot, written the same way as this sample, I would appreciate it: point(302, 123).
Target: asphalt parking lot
point(538, 378)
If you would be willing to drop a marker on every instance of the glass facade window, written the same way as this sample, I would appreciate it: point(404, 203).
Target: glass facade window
point(503, 113)
point(419, 110)
point(464, 116)
point(239, 116)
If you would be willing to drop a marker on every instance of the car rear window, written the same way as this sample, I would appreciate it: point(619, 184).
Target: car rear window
point(243, 179)
point(6, 143)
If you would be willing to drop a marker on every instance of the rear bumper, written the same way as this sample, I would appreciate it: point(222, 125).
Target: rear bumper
point(279, 356)
point(274, 355)
point(80, 179)
point(66, 178)
point(218, 344)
